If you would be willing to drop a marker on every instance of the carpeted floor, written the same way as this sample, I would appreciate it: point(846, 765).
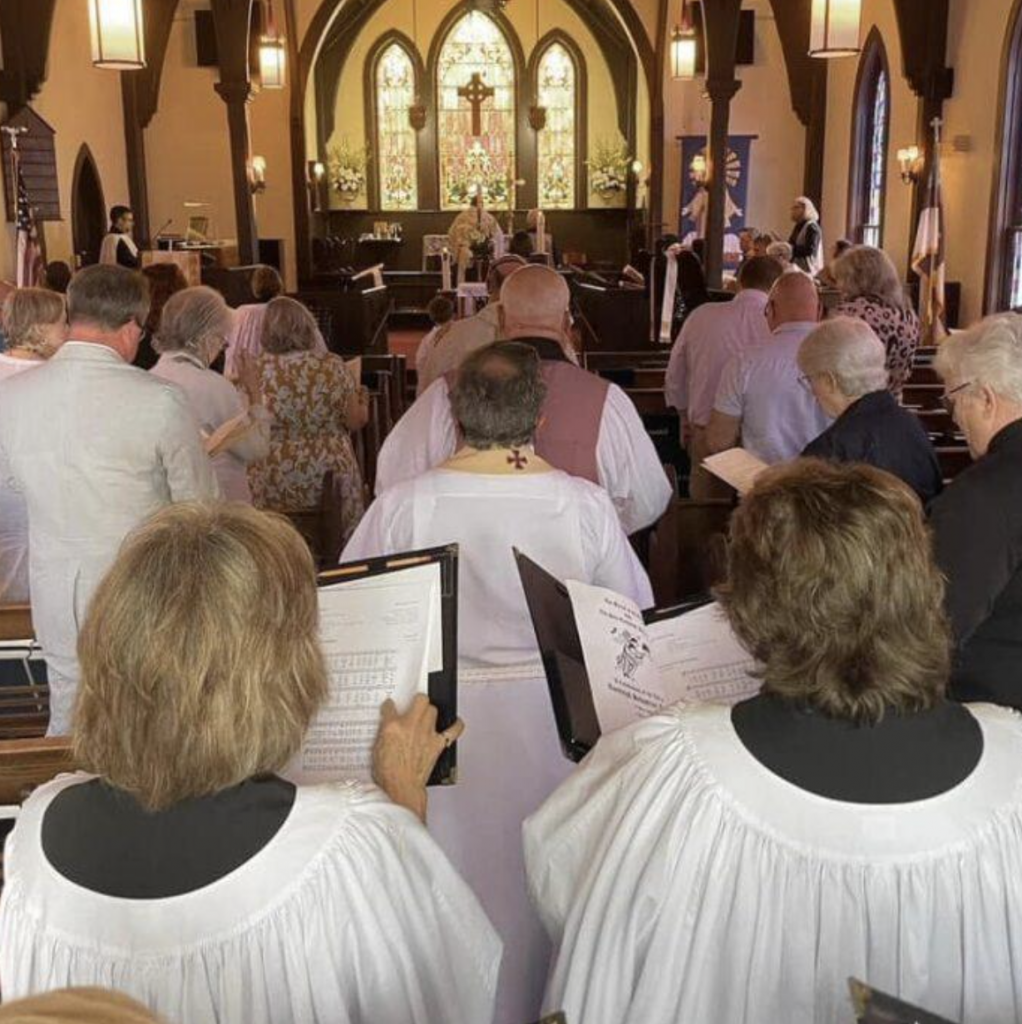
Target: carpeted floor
point(404, 343)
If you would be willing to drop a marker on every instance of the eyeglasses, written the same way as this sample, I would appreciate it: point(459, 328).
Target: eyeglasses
point(806, 381)
point(946, 401)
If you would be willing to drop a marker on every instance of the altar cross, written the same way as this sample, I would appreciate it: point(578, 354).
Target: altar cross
point(477, 92)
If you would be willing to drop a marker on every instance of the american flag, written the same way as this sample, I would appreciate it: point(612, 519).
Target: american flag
point(928, 255)
point(29, 255)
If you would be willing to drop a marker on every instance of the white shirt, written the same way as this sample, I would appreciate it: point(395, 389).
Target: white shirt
point(684, 881)
point(96, 446)
point(349, 914)
point(215, 401)
point(629, 468)
point(712, 334)
point(565, 524)
point(760, 386)
point(13, 515)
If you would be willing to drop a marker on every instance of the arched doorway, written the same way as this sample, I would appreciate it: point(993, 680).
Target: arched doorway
point(88, 209)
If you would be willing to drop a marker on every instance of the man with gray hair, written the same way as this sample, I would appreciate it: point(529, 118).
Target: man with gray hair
point(977, 521)
point(492, 496)
point(96, 445)
point(759, 398)
point(844, 364)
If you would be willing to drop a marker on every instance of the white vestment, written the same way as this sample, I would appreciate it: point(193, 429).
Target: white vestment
point(458, 342)
point(681, 880)
point(349, 915)
point(215, 401)
point(95, 445)
point(509, 759)
point(629, 468)
point(111, 243)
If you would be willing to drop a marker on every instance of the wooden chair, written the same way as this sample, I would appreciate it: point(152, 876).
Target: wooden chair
point(322, 526)
point(688, 548)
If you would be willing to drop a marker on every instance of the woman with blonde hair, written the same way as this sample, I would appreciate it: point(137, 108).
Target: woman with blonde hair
point(739, 864)
point(194, 329)
point(77, 1006)
point(871, 292)
point(315, 404)
point(182, 869)
point(35, 325)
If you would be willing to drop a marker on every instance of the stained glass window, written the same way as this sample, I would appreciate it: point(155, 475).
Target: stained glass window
point(396, 142)
point(871, 230)
point(475, 45)
point(557, 93)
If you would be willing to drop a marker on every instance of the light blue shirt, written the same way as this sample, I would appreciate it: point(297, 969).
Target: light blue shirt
point(760, 387)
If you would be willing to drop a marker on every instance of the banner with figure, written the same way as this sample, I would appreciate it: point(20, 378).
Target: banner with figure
point(694, 197)
point(928, 257)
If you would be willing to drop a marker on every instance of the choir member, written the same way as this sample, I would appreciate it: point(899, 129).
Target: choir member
point(977, 521)
point(493, 495)
point(589, 427)
point(95, 445)
point(739, 864)
point(806, 238)
point(178, 866)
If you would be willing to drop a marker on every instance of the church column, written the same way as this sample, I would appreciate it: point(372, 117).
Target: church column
point(236, 96)
point(134, 146)
point(720, 24)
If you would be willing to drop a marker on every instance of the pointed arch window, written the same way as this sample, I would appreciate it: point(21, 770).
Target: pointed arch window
point(475, 45)
point(557, 91)
point(871, 120)
point(396, 142)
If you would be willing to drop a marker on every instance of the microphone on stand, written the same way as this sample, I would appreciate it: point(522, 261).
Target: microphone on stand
point(156, 237)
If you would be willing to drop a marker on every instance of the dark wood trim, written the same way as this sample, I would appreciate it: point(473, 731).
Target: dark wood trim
point(301, 196)
point(1006, 195)
point(923, 28)
point(872, 63)
point(25, 29)
point(369, 72)
point(655, 222)
point(134, 156)
point(578, 59)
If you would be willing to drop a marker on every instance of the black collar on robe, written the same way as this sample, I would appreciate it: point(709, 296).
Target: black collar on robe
point(549, 351)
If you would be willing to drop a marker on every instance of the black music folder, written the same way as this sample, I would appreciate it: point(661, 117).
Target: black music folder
point(443, 684)
point(873, 1007)
point(560, 646)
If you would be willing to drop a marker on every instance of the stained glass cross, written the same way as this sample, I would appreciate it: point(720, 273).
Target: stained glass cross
point(477, 92)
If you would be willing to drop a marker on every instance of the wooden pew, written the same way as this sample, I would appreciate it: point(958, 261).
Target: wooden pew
point(649, 401)
point(396, 369)
point(923, 396)
point(687, 549)
point(24, 704)
point(940, 424)
point(597, 361)
point(953, 460)
point(321, 526)
point(28, 763)
point(644, 377)
point(16, 622)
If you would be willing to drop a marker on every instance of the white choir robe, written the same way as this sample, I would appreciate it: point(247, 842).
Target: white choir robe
point(96, 446)
point(351, 914)
point(682, 881)
point(509, 759)
point(629, 468)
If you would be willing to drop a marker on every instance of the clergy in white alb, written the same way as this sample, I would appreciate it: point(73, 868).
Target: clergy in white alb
point(95, 445)
point(474, 227)
point(738, 865)
point(494, 495)
point(180, 868)
point(118, 248)
point(589, 427)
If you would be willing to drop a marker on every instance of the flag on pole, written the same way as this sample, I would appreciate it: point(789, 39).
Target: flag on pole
point(28, 253)
point(928, 254)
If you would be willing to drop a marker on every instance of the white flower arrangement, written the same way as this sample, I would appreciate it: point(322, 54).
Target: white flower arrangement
point(608, 169)
point(347, 167)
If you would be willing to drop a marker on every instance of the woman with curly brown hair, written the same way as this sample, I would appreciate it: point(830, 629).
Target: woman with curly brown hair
point(739, 864)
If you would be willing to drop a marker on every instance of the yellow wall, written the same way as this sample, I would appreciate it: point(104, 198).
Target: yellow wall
point(553, 14)
point(83, 104)
point(762, 107)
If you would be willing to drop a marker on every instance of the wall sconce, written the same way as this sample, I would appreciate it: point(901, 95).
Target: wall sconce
point(910, 160)
point(683, 47)
point(417, 115)
point(257, 174)
point(118, 34)
point(699, 169)
point(537, 117)
point(835, 28)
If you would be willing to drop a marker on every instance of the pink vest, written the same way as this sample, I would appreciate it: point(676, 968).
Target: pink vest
point(569, 429)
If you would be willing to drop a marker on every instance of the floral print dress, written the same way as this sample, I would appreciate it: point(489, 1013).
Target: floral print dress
point(897, 328)
point(307, 393)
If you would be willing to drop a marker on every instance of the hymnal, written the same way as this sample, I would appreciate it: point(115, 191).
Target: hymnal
point(609, 664)
point(873, 1007)
point(388, 629)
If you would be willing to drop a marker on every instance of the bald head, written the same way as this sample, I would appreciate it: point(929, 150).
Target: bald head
point(534, 304)
point(793, 299)
point(500, 271)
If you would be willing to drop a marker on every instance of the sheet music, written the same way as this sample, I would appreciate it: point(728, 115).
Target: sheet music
point(700, 660)
point(636, 670)
point(377, 639)
point(736, 467)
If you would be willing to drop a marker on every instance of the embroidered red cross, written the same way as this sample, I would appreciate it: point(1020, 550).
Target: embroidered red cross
point(517, 459)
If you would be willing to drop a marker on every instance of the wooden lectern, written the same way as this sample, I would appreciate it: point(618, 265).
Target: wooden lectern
point(189, 262)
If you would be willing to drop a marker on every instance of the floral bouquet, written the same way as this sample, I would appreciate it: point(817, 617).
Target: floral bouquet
point(608, 169)
point(347, 167)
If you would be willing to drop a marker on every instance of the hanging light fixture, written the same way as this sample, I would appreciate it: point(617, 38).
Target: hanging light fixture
point(118, 34)
point(272, 53)
point(835, 28)
point(683, 47)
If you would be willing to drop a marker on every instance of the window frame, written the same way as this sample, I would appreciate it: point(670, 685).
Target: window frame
point(873, 65)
